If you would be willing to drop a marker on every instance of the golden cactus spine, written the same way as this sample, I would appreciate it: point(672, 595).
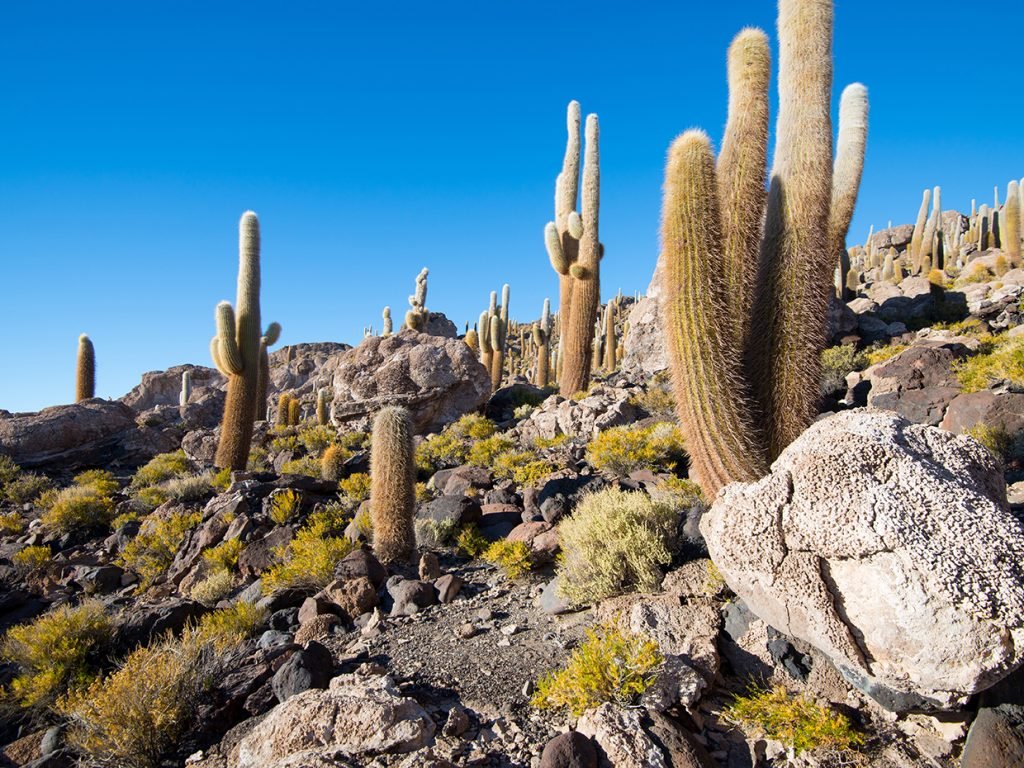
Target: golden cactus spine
point(392, 485)
point(575, 251)
point(1011, 232)
point(236, 350)
point(610, 345)
point(85, 370)
point(322, 408)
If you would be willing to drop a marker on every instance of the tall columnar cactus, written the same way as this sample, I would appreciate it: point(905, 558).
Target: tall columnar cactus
point(186, 389)
point(983, 228)
point(417, 316)
point(610, 343)
point(294, 411)
point(542, 340)
point(918, 237)
point(392, 485)
point(575, 251)
point(268, 339)
point(281, 417)
point(85, 370)
point(1011, 231)
point(741, 406)
point(236, 350)
point(498, 338)
point(387, 322)
point(323, 415)
point(846, 174)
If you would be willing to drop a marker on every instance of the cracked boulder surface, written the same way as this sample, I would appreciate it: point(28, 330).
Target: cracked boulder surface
point(888, 546)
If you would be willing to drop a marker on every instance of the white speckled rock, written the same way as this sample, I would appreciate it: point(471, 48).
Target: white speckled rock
point(620, 735)
point(889, 547)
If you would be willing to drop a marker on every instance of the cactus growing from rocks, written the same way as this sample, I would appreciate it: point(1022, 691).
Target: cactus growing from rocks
point(542, 340)
point(417, 316)
point(498, 338)
point(294, 412)
point(472, 340)
point(322, 408)
point(918, 237)
point(236, 350)
point(387, 322)
point(1011, 237)
point(610, 346)
point(186, 389)
point(85, 370)
point(726, 393)
point(575, 250)
point(392, 485)
point(847, 172)
point(268, 339)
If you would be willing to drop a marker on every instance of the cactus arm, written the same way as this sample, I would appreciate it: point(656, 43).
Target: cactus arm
point(227, 345)
point(272, 334)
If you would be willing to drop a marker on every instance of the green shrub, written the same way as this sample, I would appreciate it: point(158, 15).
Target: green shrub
point(1002, 359)
point(259, 461)
point(471, 542)
point(308, 560)
point(134, 717)
point(837, 363)
point(658, 447)
point(56, 652)
point(153, 550)
point(614, 542)
point(353, 441)
point(796, 721)
point(523, 467)
point(222, 480)
point(232, 625)
point(434, 533)
point(473, 426)
point(284, 505)
point(79, 507)
point(997, 440)
point(33, 558)
point(25, 487)
point(308, 466)
point(656, 400)
point(224, 556)
point(124, 518)
point(609, 666)
point(356, 487)
point(515, 558)
point(315, 438)
point(880, 353)
point(284, 443)
point(8, 470)
point(441, 451)
point(99, 480)
point(160, 468)
point(190, 488)
point(976, 272)
point(214, 587)
point(545, 443)
point(484, 453)
point(11, 524)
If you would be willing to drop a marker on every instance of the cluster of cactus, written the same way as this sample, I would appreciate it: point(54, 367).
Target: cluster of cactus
point(575, 251)
point(85, 370)
point(747, 276)
point(417, 316)
point(238, 351)
point(392, 485)
point(492, 336)
point(289, 410)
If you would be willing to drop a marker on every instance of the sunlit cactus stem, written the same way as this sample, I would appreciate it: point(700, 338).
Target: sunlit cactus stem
point(85, 370)
point(269, 338)
point(294, 412)
point(610, 343)
point(186, 389)
point(1011, 230)
point(847, 172)
point(417, 316)
point(387, 322)
point(542, 340)
point(322, 408)
point(392, 485)
point(918, 236)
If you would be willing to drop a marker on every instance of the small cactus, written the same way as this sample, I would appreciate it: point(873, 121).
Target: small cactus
point(392, 485)
point(610, 345)
point(332, 463)
point(542, 340)
point(85, 370)
point(417, 316)
point(472, 341)
point(294, 412)
point(268, 339)
point(918, 237)
point(282, 409)
point(387, 322)
point(322, 408)
point(186, 389)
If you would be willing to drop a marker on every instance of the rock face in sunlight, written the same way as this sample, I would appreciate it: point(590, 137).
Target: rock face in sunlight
point(437, 378)
point(889, 547)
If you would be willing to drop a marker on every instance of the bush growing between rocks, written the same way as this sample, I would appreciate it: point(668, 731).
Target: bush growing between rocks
point(316, 438)
point(133, 717)
point(434, 533)
point(356, 487)
point(881, 353)
point(222, 479)
point(307, 466)
point(214, 587)
point(284, 505)
point(998, 441)
point(614, 542)
point(23, 487)
point(31, 559)
point(309, 559)
point(151, 552)
point(522, 467)
point(224, 556)
point(231, 626)
point(471, 542)
point(657, 400)
point(485, 452)
point(609, 666)
point(160, 468)
point(837, 363)
point(56, 652)
point(796, 721)
point(190, 488)
point(11, 524)
point(1001, 359)
point(473, 426)
point(513, 557)
point(658, 447)
point(86, 505)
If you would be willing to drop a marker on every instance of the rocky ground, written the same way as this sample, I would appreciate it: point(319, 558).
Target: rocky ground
point(435, 663)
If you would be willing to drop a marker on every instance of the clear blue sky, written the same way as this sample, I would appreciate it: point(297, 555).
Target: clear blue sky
point(374, 139)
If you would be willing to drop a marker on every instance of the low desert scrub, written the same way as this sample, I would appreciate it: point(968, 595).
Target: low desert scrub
point(221, 481)
point(796, 721)
point(18, 486)
point(473, 426)
point(546, 443)
point(515, 558)
point(658, 447)
point(837, 363)
point(309, 559)
point(441, 451)
point(614, 542)
point(879, 354)
point(232, 625)
point(316, 438)
point(997, 440)
point(522, 467)
point(356, 487)
point(976, 272)
point(224, 556)
point(11, 524)
point(471, 542)
point(434, 533)
point(657, 400)
point(999, 359)
point(160, 468)
point(32, 559)
point(189, 488)
point(309, 466)
point(86, 505)
point(135, 716)
point(485, 452)
point(609, 666)
point(56, 652)
point(153, 549)
point(284, 505)
point(214, 587)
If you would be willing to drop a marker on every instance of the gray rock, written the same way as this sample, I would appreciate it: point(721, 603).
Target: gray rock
point(918, 383)
point(411, 596)
point(358, 563)
point(996, 738)
point(447, 587)
point(620, 734)
point(551, 602)
point(889, 547)
point(458, 510)
point(569, 750)
point(310, 667)
point(438, 379)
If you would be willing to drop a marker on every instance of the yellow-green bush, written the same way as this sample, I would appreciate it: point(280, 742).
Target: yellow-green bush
point(284, 443)
point(222, 480)
point(18, 486)
point(79, 507)
point(544, 443)
point(434, 533)
point(996, 439)
point(259, 461)
point(189, 488)
point(224, 556)
point(1002, 359)
point(152, 551)
point(614, 542)
point(656, 400)
point(523, 467)
point(315, 438)
point(441, 451)
point(11, 524)
point(55, 652)
point(133, 717)
point(8, 470)
point(682, 493)
point(130, 516)
point(232, 625)
point(308, 465)
point(796, 721)
point(881, 353)
point(160, 468)
point(356, 487)
point(31, 559)
point(284, 505)
point(837, 363)
point(976, 272)
point(307, 560)
point(658, 447)
point(471, 542)
point(484, 452)
point(515, 558)
point(363, 522)
point(473, 426)
point(609, 666)
point(214, 587)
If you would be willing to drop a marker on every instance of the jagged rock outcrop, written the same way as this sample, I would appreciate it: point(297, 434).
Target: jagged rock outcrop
point(603, 407)
point(164, 387)
point(889, 547)
point(437, 378)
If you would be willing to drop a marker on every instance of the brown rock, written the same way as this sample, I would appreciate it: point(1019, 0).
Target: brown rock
point(354, 596)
